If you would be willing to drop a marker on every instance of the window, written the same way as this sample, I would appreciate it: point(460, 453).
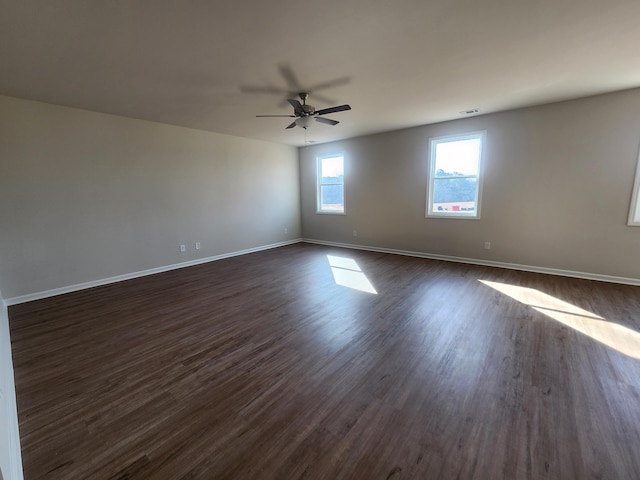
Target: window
point(634, 210)
point(454, 185)
point(331, 184)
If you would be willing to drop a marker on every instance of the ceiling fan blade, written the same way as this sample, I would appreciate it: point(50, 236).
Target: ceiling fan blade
point(328, 121)
point(340, 108)
point(323, 99)
point(289, 77)
point(297, 107)
point(267, 89)
point(330, 83)
point(293, 116)
point(291, 125)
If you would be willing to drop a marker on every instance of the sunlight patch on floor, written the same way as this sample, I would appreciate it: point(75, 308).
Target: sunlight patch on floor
point(347, 273)
point(616, 336)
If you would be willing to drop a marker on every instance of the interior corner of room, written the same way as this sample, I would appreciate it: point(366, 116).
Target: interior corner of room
point(10, 458)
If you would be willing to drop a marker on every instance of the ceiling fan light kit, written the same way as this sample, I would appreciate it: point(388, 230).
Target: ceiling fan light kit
point(303, 122)
point(307, 113)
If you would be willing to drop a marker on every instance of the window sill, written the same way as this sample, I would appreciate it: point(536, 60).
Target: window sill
point(325, 212)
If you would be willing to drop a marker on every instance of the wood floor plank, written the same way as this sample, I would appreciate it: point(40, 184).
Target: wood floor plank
point(262, 366)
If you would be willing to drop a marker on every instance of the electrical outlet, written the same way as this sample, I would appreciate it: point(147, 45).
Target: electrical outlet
point(487, 245)
point(183, 248)
point(355, 233)
point(198, 245)
point(286, 230)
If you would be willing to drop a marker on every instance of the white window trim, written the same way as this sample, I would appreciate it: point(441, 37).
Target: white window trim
point(482, 134)
point(634, 208)
point(319, 183)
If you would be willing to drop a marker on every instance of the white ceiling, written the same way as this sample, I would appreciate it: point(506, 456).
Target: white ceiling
point(398, 63)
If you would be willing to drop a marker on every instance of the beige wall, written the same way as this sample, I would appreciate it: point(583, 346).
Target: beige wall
point(557, 186)
point(86, 196)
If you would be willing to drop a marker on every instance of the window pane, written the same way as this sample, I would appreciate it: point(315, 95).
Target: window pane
point(332, 198)
point(332, 170)
point(331, 184)
point(460, 157)
point(455, 195)
point(634, 210)
point(454, 183)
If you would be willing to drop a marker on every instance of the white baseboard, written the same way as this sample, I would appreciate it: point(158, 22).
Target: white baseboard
point(473, 261)
point(486, 263)
point(128, 276)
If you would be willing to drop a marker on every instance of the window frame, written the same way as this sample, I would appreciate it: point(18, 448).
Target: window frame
point(320, 184)
point(634, 207)
point(431, 177)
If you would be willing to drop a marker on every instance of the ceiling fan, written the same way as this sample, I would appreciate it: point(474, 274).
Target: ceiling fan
point(305, 114)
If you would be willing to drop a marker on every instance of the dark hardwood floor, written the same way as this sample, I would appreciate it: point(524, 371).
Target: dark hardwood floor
point(262, 367)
